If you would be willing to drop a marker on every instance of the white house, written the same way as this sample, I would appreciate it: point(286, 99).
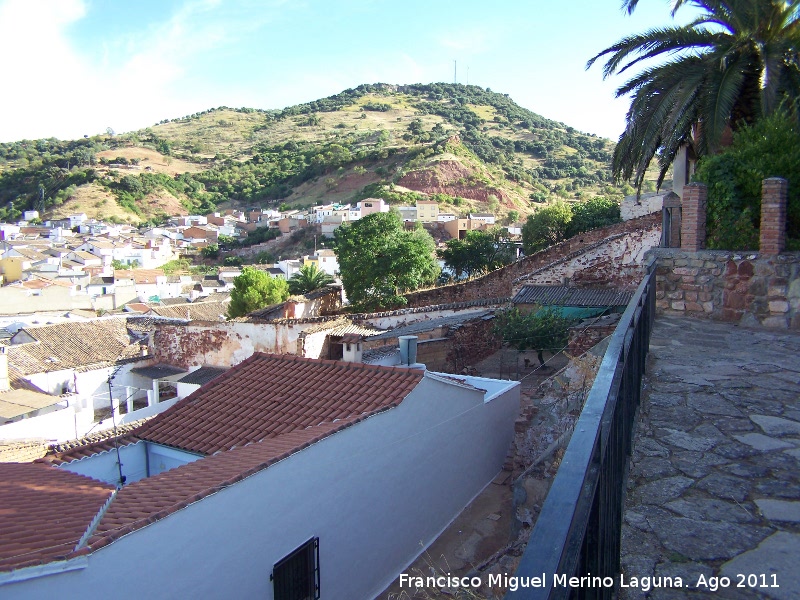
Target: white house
point(486, 218)
point(320, 475)
point(326, 261)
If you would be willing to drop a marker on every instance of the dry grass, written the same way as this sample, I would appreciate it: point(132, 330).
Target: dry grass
point(97, 202)
point(94, 200)
point(148, 158)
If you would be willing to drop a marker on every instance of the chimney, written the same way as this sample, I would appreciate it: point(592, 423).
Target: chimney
point(5, 384)
point(408, 352)
point(352, 349)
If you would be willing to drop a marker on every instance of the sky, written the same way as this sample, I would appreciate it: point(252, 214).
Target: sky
point(77, 67)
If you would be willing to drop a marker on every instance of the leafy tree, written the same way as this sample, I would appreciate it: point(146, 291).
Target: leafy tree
point(308, 279)
point(210, 251)
point(255, 289)
point(732, 64)
point(379, 260)
point(770, 148)
point(544, 330)
point(546, 227)
point(415, 127)
point(478, 252)
point(591, 214)
point(513, 216)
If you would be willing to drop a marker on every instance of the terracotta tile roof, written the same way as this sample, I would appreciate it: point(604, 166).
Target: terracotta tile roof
point(147, 500)
point(137, 307)
point(194, 311)
point(44, 512)
point(97, 437)
point(90, 449)
point(12, 451)
point(267, 395)
point(73, 344)
point(139, 276)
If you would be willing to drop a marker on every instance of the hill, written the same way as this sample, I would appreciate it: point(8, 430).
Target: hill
point(465, 146)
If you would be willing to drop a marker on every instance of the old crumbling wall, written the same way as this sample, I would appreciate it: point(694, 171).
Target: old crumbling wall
point(739, 287)
point(221, 344)
point(564, 258)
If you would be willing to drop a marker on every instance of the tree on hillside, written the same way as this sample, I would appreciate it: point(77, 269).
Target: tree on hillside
point(547, 226)
point(255, 289)
point(379, 260)
point(544, 330)
point(479, 252)
point(734, 63)
point(308, 279)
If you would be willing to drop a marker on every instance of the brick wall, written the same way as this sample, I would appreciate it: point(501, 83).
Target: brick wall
point(500, 283)
point(774, 197)
point(750, 288)
point(451, 349)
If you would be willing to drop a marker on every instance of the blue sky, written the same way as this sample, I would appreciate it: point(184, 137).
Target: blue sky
point(75, 67)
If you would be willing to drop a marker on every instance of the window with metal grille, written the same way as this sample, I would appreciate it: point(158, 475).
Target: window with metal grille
point(296, 577)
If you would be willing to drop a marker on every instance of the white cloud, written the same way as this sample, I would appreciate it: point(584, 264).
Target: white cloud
point(127, 83)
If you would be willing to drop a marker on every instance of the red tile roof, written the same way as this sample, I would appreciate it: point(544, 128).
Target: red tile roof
point(147, 500)
point(44, 513)
point(256, 414)
point(89, 446)
point(267, 396)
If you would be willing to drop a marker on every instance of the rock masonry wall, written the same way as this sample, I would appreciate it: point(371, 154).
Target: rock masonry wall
point(749, 288)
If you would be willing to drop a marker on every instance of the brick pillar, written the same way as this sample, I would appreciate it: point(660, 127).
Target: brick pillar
point(774, 194)
point(693, 217)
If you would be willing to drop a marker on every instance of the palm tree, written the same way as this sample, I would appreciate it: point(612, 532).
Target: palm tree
point(308, 279)
point(734, 63)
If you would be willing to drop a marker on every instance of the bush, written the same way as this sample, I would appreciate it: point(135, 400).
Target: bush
point(592, 214)
point(769, 148)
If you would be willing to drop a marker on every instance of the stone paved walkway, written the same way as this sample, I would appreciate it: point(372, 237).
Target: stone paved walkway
point(714, 487)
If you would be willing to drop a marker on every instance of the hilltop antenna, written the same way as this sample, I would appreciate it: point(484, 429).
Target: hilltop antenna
point(467, 74)
point(455, 71)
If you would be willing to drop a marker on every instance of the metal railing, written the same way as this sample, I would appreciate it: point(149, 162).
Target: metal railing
point(578, 530)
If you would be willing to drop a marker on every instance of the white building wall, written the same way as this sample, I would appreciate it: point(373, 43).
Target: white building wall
point(139, 460)
point(371, 493)
point(58, 426)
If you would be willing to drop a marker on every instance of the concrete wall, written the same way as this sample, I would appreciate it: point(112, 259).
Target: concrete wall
point(58, 426)
point(374, 494)
point(744, 287)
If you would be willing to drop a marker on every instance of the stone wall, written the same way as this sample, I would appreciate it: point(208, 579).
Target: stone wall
point(500, 283)
point(749, 288)
point(588, 334)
